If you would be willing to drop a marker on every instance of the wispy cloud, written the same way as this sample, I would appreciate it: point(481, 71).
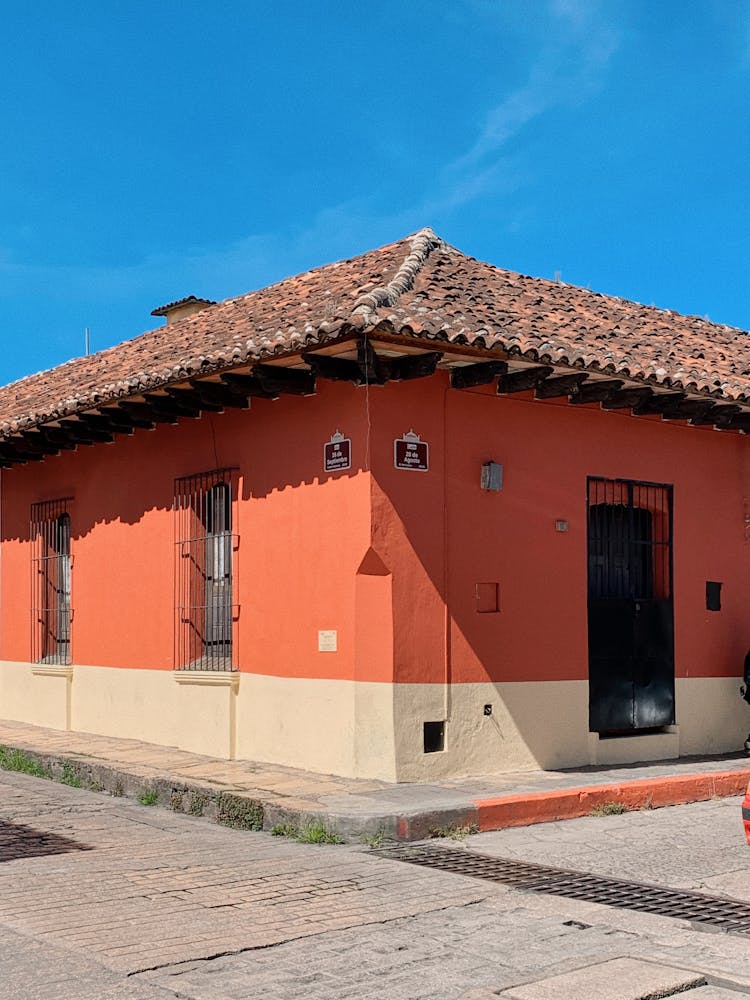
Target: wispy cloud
point(573, 44)
point(570, 65)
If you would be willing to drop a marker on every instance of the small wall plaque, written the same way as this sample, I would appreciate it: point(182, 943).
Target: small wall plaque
point(337, 453)
point(409, 452)
point(328, 640)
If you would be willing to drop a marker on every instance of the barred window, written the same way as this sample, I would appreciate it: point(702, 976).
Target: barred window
point(50, 582)
point(204, 571)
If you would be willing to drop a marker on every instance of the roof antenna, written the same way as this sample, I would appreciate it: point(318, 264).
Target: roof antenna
point(558, 277)
point(87, 342)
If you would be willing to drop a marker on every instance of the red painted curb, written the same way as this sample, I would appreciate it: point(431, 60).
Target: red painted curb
point(569, 803)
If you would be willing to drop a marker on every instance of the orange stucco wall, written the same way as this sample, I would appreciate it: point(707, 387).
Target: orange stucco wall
point(302, 536)
point(439, 533)
point(388, 558)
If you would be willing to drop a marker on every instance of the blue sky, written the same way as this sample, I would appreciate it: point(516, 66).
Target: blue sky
point(154, 150)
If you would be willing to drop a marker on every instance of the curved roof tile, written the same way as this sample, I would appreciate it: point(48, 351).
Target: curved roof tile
point(418, 287)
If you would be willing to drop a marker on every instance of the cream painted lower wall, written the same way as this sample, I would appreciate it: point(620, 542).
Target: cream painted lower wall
point(300, 723)
point(362, 729)
point(711, 714)
point(135, 704)
point(632, 749)
point(545, 725)
point(336, 727)
point(532, 725)
point(29, 693)
point(207, 721)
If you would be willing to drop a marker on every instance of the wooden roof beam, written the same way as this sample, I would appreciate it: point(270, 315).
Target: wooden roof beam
point(374, 372)
point(74, 432)
point(687, 409)
point(336, 369)
point(220, 393)
point(194, 400)
point(122, 417)
point(467, 376)
point(15, 451)
point(81, 433)
point(738, 422)
point(597, 392)
point(717, 415)
point(146, 412)
point(628, 398)
point(172, 407)
point(559, 385)
point(410, 366)
point(523, 379)
point(55, 438)
point(247, 384)
point(275, 380)
point(101, 422)
point(657, 402)
point(33, 446)
point(371, 368)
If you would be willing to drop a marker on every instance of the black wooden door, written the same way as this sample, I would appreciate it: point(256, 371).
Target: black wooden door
point(630, 615)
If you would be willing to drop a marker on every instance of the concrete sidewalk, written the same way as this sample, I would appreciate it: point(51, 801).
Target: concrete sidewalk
point(260, 796)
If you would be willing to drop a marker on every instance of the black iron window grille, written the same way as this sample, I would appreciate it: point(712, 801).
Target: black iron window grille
point(205, 569)
point(630, 540)
point(51, 612)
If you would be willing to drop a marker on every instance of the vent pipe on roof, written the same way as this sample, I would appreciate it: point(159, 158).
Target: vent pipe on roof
point(173, 311)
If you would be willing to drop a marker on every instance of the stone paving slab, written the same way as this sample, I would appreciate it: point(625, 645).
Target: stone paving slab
point(619, 979)
point(256, 795)
point(714, 993)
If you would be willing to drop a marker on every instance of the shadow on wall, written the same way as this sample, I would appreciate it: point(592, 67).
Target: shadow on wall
point(513, 579)
point(275, 445)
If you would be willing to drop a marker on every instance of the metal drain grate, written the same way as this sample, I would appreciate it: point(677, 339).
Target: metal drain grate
point(719, 912)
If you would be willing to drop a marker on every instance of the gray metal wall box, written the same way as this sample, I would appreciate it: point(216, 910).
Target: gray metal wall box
point(492, 477)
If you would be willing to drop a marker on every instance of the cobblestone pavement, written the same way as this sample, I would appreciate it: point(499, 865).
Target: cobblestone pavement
point(105, 899)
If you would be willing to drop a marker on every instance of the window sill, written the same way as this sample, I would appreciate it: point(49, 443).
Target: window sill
point(209, 678)
point(52, 669)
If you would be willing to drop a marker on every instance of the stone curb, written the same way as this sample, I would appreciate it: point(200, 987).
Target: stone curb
point(246, 810)
point(229, 808)
point(643, 793)
point(237, 808)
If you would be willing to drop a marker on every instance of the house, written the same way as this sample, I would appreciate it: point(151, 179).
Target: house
point(403, 516)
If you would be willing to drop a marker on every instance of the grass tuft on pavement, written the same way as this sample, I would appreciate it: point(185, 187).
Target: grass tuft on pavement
point(18, 760)
point(609, 809)
point(311, 832)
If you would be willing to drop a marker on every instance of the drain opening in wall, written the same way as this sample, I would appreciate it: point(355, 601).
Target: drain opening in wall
point(434, 737)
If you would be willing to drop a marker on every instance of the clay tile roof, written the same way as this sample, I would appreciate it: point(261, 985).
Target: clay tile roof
point(419, 287)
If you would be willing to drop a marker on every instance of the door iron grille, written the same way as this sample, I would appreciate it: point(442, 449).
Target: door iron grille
point(51, 612)
point(205, 566)
point(630, 608)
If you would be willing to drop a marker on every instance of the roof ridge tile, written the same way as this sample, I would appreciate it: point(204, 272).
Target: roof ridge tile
point(421, 246)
